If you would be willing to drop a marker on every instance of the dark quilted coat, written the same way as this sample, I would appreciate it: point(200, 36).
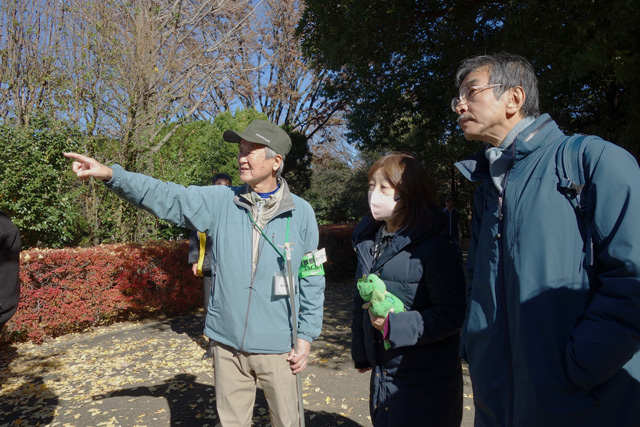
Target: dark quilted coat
point(418, 381)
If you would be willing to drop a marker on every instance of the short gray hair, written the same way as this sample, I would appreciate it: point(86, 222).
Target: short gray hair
point(270, 154)
point(509, 70)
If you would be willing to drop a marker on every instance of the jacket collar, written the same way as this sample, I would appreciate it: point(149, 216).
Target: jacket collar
point(366, 233)
point(243, 198)
point(541, 132)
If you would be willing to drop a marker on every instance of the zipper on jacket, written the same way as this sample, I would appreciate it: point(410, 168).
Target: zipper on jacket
point(294, 288)
point(251, 290)
point(281, 209)
point(501, 284)
point(360, 254)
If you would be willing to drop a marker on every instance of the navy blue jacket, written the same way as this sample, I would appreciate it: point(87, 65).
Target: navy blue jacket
point(194, 252)
point(551, 340)
point(418, 380)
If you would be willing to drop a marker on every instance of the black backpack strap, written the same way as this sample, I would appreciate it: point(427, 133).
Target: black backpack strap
point(571, 183)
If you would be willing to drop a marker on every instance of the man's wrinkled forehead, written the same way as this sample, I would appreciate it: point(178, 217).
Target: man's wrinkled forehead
point(476, 76)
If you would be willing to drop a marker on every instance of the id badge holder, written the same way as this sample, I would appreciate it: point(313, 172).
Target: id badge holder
point(280, 286)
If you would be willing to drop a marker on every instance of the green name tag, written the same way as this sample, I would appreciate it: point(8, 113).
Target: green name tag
point(310, 266)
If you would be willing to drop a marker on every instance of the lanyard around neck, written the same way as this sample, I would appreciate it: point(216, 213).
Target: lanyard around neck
point(286, 236)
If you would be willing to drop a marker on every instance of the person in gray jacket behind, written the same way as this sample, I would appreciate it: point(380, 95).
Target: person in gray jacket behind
point(249, 316)
point(552, 331)
point(200, 257)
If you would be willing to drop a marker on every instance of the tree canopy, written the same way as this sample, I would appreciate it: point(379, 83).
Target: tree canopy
point(394, 63)
point(150, 85)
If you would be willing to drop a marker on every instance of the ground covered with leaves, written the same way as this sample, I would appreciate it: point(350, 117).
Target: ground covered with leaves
point(151, 373)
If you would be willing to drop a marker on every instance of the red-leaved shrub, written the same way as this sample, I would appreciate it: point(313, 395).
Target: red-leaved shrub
point(70, 290)
point(341, 259)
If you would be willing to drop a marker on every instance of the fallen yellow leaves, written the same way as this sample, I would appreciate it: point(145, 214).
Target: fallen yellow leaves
point(152, 375)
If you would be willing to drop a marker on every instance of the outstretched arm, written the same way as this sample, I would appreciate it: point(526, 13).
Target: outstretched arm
point(86, 167)
point(192, 208)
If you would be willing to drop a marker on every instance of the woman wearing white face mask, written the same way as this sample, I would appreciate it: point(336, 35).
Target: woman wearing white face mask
point(417, 381)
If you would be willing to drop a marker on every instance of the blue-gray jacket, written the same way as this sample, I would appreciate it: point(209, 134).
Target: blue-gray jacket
point(243, 311)
point(542, 349)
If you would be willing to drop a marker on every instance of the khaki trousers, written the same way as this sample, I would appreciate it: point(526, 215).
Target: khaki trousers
point(236, 374)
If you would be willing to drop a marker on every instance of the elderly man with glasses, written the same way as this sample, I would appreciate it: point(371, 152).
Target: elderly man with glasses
point(552, 332)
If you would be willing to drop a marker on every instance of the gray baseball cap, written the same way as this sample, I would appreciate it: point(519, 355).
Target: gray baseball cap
point(262, 132)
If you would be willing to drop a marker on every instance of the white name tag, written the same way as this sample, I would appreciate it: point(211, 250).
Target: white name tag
point(320, 256)
point(280, 286)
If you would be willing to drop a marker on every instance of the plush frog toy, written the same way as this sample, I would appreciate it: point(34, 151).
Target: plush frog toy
point(380, 302)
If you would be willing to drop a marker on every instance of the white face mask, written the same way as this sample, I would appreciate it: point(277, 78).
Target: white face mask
point(382, 206)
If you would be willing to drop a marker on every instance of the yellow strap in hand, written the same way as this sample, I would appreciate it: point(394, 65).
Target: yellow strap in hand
point(203, 244)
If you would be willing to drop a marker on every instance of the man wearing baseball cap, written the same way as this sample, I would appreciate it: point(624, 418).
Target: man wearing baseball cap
point(249, 312)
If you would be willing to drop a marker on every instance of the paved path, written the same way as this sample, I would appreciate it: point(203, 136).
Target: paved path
point(150, 373)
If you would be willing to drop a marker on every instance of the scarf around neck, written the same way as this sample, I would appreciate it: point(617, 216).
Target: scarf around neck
point(501, 157)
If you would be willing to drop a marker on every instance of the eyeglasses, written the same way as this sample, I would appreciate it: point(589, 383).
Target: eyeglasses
point(468, 92)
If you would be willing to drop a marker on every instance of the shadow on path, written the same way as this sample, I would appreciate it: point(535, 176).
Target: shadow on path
point(191, 325)
point(25, 398)
point(193, 404)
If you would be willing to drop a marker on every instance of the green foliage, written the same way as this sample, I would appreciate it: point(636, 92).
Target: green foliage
point(108, 218)
point(34, 183)
point(194, 153)
point(337, 192)
point(52, 208)
point(588, 59)
point(384, 65)
point(297, 165)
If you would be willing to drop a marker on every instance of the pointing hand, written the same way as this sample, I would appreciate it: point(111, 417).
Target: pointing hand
point(86, 167)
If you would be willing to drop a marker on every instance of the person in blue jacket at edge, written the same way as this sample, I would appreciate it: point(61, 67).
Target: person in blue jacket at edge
point(551, 335)
point(417, 381)
point(249, 315)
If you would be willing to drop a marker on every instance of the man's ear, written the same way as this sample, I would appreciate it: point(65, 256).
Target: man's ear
point(277, 161)
point(516, 99)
